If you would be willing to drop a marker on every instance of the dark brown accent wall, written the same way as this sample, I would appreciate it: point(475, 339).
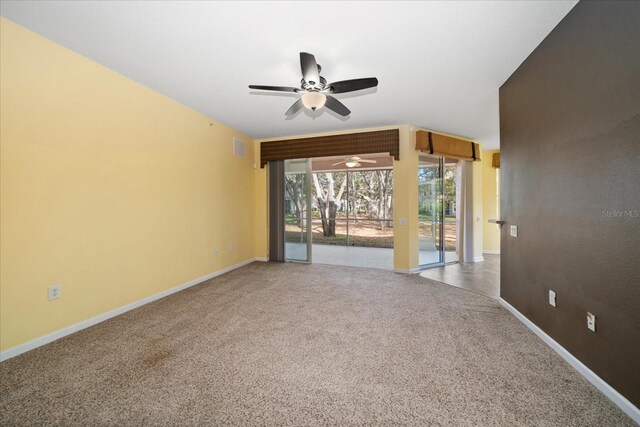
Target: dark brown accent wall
point(570, 174)
point(381, 141)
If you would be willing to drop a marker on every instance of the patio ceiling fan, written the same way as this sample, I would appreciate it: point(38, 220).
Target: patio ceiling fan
point(315, 91)
point(354, 162)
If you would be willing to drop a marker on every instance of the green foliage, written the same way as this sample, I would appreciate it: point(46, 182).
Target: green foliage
point(367, 194)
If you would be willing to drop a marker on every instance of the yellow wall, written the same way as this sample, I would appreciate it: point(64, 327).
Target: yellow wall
point(478, 216)
point(109, 189)
point(261, 203)
point(491, 232)
point(405, 204)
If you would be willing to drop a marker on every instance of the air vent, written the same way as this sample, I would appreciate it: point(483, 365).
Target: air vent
point(238, 147)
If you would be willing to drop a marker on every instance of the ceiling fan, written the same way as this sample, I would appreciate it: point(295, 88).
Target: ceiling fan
point(354, 162)
point(315, 91)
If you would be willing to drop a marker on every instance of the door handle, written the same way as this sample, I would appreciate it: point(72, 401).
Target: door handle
point(497, 221)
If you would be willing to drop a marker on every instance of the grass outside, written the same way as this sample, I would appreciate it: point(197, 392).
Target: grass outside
point(364, 232)
point(426, 229)
point(425, 217)
point(367, 233)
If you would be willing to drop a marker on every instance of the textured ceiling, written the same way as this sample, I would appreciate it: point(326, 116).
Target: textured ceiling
point(439, 64)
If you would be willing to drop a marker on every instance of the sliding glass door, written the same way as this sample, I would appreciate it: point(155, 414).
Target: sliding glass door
point(335, 207)
point(431, 211)
point(353, 208)
point(450, 216)
point(437, 210)
point(297, 208)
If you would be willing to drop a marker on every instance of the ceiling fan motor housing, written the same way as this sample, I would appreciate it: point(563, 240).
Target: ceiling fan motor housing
point(321, 85)
point(318, 94)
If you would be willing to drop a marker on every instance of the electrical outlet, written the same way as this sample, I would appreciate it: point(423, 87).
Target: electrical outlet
point(216, 251)
point(591, 321)
point(513, 231)
point(54, 292)
point(402, 221)
point(552, 298)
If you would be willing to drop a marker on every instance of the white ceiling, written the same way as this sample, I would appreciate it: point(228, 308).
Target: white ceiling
point(439, 64)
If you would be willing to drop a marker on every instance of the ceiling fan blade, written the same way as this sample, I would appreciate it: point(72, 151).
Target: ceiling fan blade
point(367, 161)
point(337, 106)
point(353, 85)
point(275, 88)
point(297, 106)
point(309, 68)
point(336, 164)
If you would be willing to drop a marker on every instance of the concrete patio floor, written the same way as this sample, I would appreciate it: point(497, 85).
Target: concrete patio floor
point(356, 256)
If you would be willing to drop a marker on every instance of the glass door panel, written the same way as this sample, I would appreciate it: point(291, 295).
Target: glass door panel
point(370, 202)
point(329, 208)
point(431, 211)
point(352, 207)
point(450, 213)
point(297, 202)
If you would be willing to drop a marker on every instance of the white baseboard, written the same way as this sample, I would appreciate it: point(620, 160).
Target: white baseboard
point(491, 252)
point(261, 259)
point(46, 339)
point(407, 270)
point(478, 259)
point(619, 400)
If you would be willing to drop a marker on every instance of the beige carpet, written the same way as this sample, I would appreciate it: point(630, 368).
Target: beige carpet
point(292, 344)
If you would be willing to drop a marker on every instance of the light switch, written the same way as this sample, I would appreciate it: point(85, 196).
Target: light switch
point(552, 298)
point(514, 231)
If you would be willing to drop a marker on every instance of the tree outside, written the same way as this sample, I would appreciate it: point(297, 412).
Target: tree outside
point(348, 207)
point(436, 197)
point(355, 207)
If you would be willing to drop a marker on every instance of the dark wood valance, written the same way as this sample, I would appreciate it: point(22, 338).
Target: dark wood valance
point(447, 146)
point(350, 144)
point(495, 161)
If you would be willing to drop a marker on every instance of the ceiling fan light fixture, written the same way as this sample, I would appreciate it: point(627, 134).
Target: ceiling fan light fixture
point(352, 164)
point(314, 100)
point(314, 90)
